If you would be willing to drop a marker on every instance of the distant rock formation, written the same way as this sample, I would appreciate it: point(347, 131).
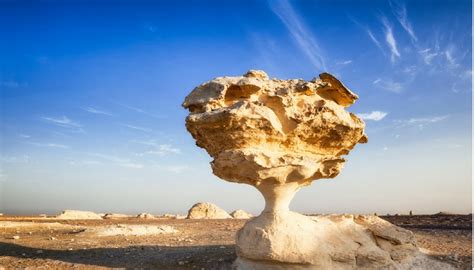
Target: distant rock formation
point(205, 210)
point(114, 216)
point(145, 215)
point(241, 214)
point(76, 214)
point(279, 136)
point(444, 213)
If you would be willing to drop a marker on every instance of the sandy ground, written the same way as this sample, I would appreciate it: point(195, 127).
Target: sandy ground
point(197, 244)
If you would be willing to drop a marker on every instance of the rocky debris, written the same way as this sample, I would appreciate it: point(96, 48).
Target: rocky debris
point(31, 225)
point(15, 237)
point(170, 216)
point(205, 210)
point(444, 213)
point(145, 215)
point(75, 214)
point(241, 214)
point(280, 135)
point(130, 230)
point(114, 216)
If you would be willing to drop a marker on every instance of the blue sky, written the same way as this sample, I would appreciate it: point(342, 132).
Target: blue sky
point(91, 97)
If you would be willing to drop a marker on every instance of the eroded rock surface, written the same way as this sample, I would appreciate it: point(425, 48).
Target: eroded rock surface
point(241, 214)
point(281, 131)
point(280, 135)
point(326, 242)
point(207, 211)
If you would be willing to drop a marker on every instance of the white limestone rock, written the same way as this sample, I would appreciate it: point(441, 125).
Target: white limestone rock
point(278, 136)
point(76, 214)
point(241, 214)
point(205, 210)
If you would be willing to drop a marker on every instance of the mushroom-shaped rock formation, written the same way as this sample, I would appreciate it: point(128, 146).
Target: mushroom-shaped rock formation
point(280, 135)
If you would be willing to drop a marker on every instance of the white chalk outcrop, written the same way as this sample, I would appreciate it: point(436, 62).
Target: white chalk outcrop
point(204, 210)
point(241, 214)
point(130, 230)
point(76, 214)
point(280, 135)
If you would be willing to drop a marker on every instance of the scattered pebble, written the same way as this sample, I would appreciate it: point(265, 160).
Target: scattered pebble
point(15, 237)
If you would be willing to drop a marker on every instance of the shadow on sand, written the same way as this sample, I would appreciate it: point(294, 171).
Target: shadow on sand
point(157, 257)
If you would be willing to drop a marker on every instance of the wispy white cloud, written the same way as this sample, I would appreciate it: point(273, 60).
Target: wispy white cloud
point(304, 38)
point(174, 168)
point(119, 161)
point(449, 54)
point(10, 84)
point(388, 85)
point(390, 39)
point(112, 158)
point(375, 40)
point(139, 110)
point(373, 116)
point(158, 149)
point(96, 111)
point(427, 55)
point(52, 145)
point(427, 119)
point(91, 162)
point(25, 136)
point(132, 165)
point(15, 159)
point(421, 122)
point(344, 63)
point(467, 74)
point(137, 128)
point(64, 122)
point(410, 70)
point(163, 150)
point(400, 12)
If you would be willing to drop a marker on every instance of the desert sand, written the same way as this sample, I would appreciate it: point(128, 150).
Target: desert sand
point(53, 243)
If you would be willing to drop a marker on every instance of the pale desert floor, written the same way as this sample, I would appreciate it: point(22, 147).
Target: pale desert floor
point(199, 244)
